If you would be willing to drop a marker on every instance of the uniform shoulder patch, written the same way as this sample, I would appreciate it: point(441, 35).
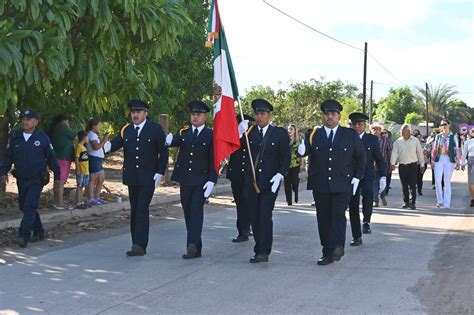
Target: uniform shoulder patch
point(311, 135)
point(183, 130)
point(250, 129)
point(122, 130)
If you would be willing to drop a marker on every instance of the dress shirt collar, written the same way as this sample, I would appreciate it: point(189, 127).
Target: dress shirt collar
point(200, 128)
point(328, 130)
point(264, 129)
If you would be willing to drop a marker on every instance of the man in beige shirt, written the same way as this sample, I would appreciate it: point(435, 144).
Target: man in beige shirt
point(408, 154)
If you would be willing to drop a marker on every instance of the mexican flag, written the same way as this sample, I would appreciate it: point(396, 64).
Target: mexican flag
point(226, 136)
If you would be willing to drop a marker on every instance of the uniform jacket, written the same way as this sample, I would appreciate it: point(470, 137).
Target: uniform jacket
point(332, 166)
point(195, 163)
point(30, 157)
point(235, 168)
point(143, 156)
point(374, 155)
point(275, 157)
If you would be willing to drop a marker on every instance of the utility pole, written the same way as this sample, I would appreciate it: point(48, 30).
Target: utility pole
point(426, 96)
point(371, 101)
point(365, 79)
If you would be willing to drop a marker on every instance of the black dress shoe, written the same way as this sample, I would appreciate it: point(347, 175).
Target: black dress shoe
point(472, 203)
point(296, 197)
point(192, 252)
point(366, 228)
point(325, 261)
point(258, 258)
point(240, 239)
point(37, 238)
point(289, 203)
point(337, 253)
point(20, 241)
point(420, 193)
point(356, 241)
point(412, 206)
point(136, 251)
point(405, 206)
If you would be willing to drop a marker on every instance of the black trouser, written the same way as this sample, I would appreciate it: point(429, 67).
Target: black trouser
point(419, 178)
point(331, 215)
point(292, 181)
point(243, 214)
point(408, 175)
point(29, 192)
point(192, 201)
point(366, 189)
point(261, 210)
point(140, 198)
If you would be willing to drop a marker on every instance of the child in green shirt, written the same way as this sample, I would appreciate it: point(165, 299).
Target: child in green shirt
point(82, 168)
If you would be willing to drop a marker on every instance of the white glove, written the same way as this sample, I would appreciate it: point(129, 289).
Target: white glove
point(276, 181)
point(382, 183)
point(302, 148)
point(107, 147)
point(355, 184)
point(209, 186)
point(243, 127)
point(157, 179)
point(169, 139)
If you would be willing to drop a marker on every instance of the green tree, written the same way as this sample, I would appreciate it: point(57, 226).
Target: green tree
point(299, 104)
point(396, 105)
point(439, 99)
point(413, 119)
point(84, 56)
point(459, 112)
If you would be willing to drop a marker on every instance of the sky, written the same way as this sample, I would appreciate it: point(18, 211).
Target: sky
point(417, 41)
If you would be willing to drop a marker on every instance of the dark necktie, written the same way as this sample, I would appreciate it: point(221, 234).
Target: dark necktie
point(331, 136)
point(260, 135)
point(195, 135)
point(136, 131)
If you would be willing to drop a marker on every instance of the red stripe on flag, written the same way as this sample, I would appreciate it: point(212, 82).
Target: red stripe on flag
point(226, 135)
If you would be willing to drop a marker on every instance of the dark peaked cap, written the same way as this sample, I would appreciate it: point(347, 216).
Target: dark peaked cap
point(261, 105)
point(198, 107)
point(331, 106)
point(29, 114)
point(358, 117)
point(138, 105)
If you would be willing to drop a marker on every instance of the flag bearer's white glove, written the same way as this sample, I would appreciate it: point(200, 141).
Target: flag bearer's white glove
point(382, 183)
point(208, 186)
point(276, 181)
point(169, 139)
point(355, 184)
point(243, 127)
point(302, 148)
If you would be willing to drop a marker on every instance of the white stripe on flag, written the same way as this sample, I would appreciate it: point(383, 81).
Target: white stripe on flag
point(222, 78)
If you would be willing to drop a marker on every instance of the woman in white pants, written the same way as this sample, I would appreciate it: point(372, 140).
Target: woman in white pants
point(446, 157)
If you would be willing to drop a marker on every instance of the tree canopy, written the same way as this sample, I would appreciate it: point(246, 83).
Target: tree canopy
point(396, 105)
point(82, 56)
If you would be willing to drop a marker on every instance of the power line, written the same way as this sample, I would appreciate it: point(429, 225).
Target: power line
point(310, 27)
point(383, 67)
point(330, 37)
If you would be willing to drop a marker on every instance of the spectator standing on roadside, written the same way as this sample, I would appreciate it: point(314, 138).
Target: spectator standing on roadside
point(82, 168)
point(62, 138)
point(95, 152)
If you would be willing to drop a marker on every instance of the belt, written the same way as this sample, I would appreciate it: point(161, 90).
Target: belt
point(407, 164)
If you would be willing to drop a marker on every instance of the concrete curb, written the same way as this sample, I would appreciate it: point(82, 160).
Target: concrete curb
point(61, 216)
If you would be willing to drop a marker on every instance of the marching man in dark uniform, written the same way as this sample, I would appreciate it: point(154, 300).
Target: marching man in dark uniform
point(195, 172)
point(145, 161)
point(270, 151)
point(235, 173)
point(366, 186)
point(337, 163)
point(31, 152)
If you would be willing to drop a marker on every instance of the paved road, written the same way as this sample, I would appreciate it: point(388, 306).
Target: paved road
point(416, 261)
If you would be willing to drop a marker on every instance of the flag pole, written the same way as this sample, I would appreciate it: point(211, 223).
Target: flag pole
point(254, 180)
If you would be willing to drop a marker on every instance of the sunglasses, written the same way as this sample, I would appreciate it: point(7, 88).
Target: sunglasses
point(445, 124)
